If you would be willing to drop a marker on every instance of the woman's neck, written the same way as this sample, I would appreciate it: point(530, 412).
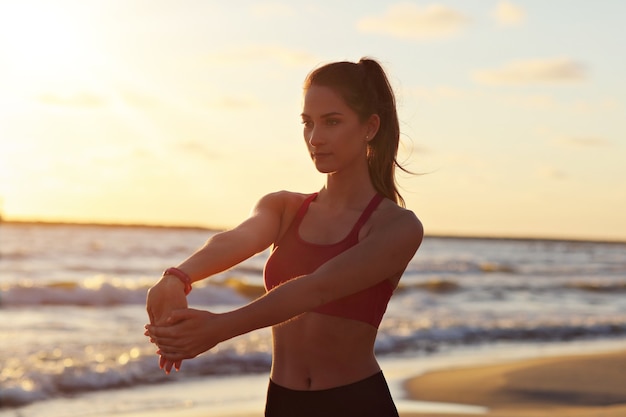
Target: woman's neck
point(351, 191)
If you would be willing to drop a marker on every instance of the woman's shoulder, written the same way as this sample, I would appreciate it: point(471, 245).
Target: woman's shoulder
point(285, 205)
point(392, 210)
point(284, 199)
point(399, 219)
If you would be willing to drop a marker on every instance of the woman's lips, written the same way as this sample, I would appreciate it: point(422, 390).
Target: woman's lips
point(320, 154)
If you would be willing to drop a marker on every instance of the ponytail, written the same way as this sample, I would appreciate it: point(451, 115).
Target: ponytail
point(366, 90)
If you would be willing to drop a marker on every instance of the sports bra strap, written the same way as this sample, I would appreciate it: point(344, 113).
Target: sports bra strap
point(304, 207)
point(368, 211)
point(365, 215)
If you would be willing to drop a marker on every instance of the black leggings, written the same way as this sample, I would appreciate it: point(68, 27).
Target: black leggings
point(369, 397)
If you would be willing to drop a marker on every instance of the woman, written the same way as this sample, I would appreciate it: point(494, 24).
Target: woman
point(337, 257)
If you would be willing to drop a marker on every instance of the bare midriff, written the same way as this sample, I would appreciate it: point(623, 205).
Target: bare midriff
point(315, 351)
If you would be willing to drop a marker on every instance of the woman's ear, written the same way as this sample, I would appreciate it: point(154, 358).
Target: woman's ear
point(372, 125)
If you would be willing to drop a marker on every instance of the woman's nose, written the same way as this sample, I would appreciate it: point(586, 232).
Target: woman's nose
point(314, 137)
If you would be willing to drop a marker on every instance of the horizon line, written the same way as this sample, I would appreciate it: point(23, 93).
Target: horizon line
point(438, 235)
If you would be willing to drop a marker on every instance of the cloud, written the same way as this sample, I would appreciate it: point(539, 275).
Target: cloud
point(550, 102)
point(585, 142)
point(409, 21)
point(249, 53)
point(79, 100)
point(507, 14)
point(515, 99)
point(555, 70)
point(532, 101)
point(552, 173)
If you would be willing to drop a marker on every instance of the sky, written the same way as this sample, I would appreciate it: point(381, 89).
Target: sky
point(187, 112)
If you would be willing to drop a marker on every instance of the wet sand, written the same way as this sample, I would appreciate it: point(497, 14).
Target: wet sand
point(581, 385)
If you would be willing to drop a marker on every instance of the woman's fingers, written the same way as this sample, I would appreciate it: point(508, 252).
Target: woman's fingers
point(176, 316)
point(178, 337)
point(161, 332)
point(169, 344)
point(172, 358)
point(167, 364)
point(172, 354)
point(174, 329)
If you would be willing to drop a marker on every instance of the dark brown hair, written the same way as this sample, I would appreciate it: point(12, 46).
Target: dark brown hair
point(366, 90)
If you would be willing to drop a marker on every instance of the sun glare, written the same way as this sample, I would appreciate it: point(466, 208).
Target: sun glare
point(43, 45)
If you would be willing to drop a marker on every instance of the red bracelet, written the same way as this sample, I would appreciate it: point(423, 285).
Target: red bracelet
point(181, 275)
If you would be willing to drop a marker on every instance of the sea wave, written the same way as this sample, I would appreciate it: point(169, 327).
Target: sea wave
point(103, 291)
point(48, 375)
point(38, 384)
point(459, 266)
point(435, 338)
point(106, 292)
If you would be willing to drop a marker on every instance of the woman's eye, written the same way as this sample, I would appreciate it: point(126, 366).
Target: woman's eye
point(332, 122)
point(307, 123)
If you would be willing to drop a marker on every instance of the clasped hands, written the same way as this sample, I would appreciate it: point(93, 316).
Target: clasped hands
point(179, 332)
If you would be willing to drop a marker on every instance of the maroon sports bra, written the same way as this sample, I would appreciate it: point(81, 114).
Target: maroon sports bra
point(293, 257)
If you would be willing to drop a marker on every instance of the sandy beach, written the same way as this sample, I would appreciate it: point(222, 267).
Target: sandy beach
point(581, 385)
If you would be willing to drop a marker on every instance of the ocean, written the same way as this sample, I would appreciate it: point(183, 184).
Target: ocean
point(72, 312)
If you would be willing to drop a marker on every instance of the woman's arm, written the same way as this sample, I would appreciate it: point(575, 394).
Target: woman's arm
point(227, 249)
point(383, 253)
point(220, 252)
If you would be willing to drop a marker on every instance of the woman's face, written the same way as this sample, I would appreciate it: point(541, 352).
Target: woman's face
point(335, 137)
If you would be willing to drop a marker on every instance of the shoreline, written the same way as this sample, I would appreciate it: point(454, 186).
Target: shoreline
point(573, 379)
